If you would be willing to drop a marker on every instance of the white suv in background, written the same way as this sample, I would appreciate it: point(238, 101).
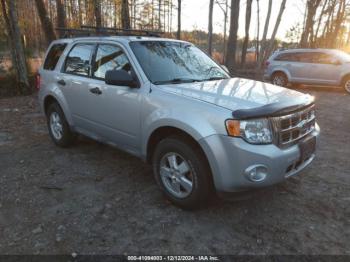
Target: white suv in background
point(324, 67)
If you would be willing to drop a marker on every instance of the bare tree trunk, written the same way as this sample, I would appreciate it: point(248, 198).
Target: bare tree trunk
point(248, 16)
point(80, 4)
point(45, 21)
point(257, 46)
point(210, 27)
point(18, 58)
point(159, 15)
point(178, 35)
point(338, 22)
point(263, 41)
point(97, 13)
point(232, 39)
point(312, 6)
point(225, 29)
point(319, 22)
point(277, 24)
point(125, 14)
point(61, 16)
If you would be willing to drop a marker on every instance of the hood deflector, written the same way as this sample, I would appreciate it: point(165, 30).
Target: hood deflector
point(270, 110)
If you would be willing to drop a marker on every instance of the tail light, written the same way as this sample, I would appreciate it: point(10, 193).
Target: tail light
point(267, 63)
point(37, 81)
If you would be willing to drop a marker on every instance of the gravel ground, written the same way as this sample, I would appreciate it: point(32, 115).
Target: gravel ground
point(94, 199)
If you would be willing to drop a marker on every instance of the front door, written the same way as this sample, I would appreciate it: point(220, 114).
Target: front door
point(113, 110)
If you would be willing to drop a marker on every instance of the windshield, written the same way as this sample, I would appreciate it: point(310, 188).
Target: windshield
point(175, 62)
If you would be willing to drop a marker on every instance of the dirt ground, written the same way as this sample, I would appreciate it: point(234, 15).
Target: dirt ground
point(94, 199)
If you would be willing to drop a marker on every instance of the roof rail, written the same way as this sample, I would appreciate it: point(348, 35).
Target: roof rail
point(85, 30)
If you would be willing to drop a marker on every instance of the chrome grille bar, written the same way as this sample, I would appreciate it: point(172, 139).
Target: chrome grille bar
point(289, 129)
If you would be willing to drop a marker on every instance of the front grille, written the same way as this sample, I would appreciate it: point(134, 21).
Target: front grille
point(291, 128)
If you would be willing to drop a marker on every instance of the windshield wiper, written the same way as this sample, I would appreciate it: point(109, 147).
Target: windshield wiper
point(177, 81)
point(215, 78)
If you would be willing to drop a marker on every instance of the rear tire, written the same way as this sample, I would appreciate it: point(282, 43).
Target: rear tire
point(346, 84)
point(279, 79)
point(58, 126)
point(182, 172)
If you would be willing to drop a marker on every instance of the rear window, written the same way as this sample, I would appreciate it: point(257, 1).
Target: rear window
point(53, 56)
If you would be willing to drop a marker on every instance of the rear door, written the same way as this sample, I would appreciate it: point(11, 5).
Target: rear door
point(290, 63)
point(74, 81)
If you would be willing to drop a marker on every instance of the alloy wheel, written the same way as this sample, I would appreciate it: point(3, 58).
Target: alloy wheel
point(176, 174)
point(56, 125)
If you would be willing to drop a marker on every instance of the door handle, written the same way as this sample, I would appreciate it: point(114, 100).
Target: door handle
point(96, 91)
point(61, 82)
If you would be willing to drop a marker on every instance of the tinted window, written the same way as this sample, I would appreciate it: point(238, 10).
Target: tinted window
point(53, 56)
point(307, 57)
point(110, 57)
point(166, 61)
point(78, 60)
point(292, 57)
point(323, 58)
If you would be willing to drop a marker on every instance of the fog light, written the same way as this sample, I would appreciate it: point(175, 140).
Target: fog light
point(256, 173)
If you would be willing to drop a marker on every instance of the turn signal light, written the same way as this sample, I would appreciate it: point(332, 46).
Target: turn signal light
point(233, 127)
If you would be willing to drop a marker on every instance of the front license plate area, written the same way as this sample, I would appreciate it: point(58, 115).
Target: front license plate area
point(307, 148)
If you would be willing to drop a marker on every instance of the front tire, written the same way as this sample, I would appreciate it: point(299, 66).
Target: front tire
point(346, 84)
point(58, 126)
point(182, 172)
point(279, 79)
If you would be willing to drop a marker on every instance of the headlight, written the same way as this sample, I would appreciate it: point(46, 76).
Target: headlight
point(257, 131)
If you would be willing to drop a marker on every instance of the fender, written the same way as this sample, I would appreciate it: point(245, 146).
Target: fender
point(57, 94)
point(169, 118)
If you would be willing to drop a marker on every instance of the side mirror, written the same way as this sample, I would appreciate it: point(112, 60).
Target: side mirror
point(120, 78)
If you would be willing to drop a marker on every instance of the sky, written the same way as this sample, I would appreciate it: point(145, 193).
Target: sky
point(195, 15)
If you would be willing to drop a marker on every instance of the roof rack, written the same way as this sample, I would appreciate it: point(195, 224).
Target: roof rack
point(85, 30)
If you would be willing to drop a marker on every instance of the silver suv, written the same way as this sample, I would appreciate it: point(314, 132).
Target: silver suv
point(325, 67)
point(168, 103)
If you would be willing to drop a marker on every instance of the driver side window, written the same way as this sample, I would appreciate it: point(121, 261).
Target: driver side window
point(110, 57)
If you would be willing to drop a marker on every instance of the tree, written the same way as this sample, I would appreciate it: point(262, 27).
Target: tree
point(248, 16)
point(210, 27)
point(275, 29)
point(232, 39)
point(178, 35)
point(45, 21)
point(334, 35)
point(319, 21)
point(263, 41)
point(125, 15)
point(97, 13)
point(312, 6)
point(61, 16)
point(9, 11)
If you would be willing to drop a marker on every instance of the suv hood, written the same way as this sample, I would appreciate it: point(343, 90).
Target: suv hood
point(246, 98)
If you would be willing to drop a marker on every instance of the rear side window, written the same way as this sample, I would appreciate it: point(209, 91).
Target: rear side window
point(53, 56)
point(291, 57)
point(78, 60)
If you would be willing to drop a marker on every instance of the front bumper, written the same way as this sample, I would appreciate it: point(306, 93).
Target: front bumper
point(229, 158)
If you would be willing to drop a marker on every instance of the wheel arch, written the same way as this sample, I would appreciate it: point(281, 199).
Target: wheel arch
point(51, 98)
point(166, 131)
point(342, 82)
point(281, 71)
